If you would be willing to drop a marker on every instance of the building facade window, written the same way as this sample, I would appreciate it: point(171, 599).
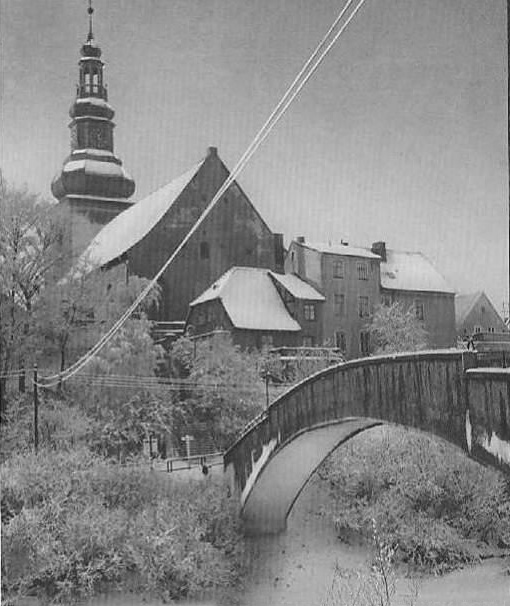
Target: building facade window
point(341, 341)
point(386, 300)
point(338, 268)
point(419, 311)
point(491, 329)
point(309, 311)
point(364, 343)
point(339, 305)
point(477, 329)
point(363, 307)
point(362, 271)
point(307, 341)
point(204, 250)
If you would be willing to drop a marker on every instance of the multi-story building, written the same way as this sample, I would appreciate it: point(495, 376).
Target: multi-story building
point(411, 279)
point(354, 280)
point(348, 277)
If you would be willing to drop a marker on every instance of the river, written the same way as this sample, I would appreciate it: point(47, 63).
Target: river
point(297, 567)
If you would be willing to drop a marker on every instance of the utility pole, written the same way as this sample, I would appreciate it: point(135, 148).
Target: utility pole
point(36, 409)
point(267, 388)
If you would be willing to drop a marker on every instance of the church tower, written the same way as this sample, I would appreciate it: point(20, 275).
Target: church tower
point(92, 185)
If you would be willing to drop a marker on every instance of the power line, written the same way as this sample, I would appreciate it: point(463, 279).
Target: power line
point(293, 90)
point(161, 384)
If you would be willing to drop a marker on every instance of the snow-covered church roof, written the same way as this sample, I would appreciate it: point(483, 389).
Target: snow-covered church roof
point(130, 226)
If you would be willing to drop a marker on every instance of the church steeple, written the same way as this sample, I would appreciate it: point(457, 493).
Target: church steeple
point(90, 11)
point(92, 180)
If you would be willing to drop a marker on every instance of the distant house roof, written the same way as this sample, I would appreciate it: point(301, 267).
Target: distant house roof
point(411, 271)
point(464, 304)
point(298, 288)
point(130, 226)
point(250, 299)
point(341, 249)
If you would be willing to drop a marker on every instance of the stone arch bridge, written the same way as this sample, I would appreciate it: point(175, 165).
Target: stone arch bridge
point(439, 392)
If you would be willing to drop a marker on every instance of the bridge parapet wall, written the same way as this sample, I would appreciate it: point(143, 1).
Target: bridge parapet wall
point(425, 390)
point(488, 422)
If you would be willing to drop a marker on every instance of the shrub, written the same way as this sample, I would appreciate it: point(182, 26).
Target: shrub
point(61, 425)
point(438, 508)
point(79, 525)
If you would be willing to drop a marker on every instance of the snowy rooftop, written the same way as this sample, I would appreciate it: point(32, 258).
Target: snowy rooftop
point(341, 249)
point(128, 228)
point(298, 288)
point(90, 151)
point(250, 299)
point(93, 101)
point(96, 167)
point(411, 271)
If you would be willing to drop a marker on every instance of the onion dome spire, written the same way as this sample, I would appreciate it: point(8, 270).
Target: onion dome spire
point(92, 170)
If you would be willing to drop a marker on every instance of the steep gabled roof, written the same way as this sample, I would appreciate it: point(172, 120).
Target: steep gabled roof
point(298, 288)
point(464, 304)
point(411, 271)
point(250, 299)
point(128, 228)
point(340, 249)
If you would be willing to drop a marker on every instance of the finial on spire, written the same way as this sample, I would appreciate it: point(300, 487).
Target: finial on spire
point(90, 11)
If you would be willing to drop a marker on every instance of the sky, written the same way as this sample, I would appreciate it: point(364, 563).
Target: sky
point(401, 134)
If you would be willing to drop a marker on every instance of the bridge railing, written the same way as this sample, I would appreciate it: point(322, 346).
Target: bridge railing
point(446, 354)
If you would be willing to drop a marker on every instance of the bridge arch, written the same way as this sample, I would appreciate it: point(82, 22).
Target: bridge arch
point(438, 392)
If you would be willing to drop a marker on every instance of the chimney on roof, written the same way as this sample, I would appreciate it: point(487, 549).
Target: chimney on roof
point(212, 151)
point(379, 248)
point(300, 239)
point(279, 253)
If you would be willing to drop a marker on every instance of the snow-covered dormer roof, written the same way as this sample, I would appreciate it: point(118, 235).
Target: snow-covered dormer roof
point(297, 287)
point(250, 299)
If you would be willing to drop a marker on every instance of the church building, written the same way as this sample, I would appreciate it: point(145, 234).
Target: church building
point(230, 271)
point(107, 230)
